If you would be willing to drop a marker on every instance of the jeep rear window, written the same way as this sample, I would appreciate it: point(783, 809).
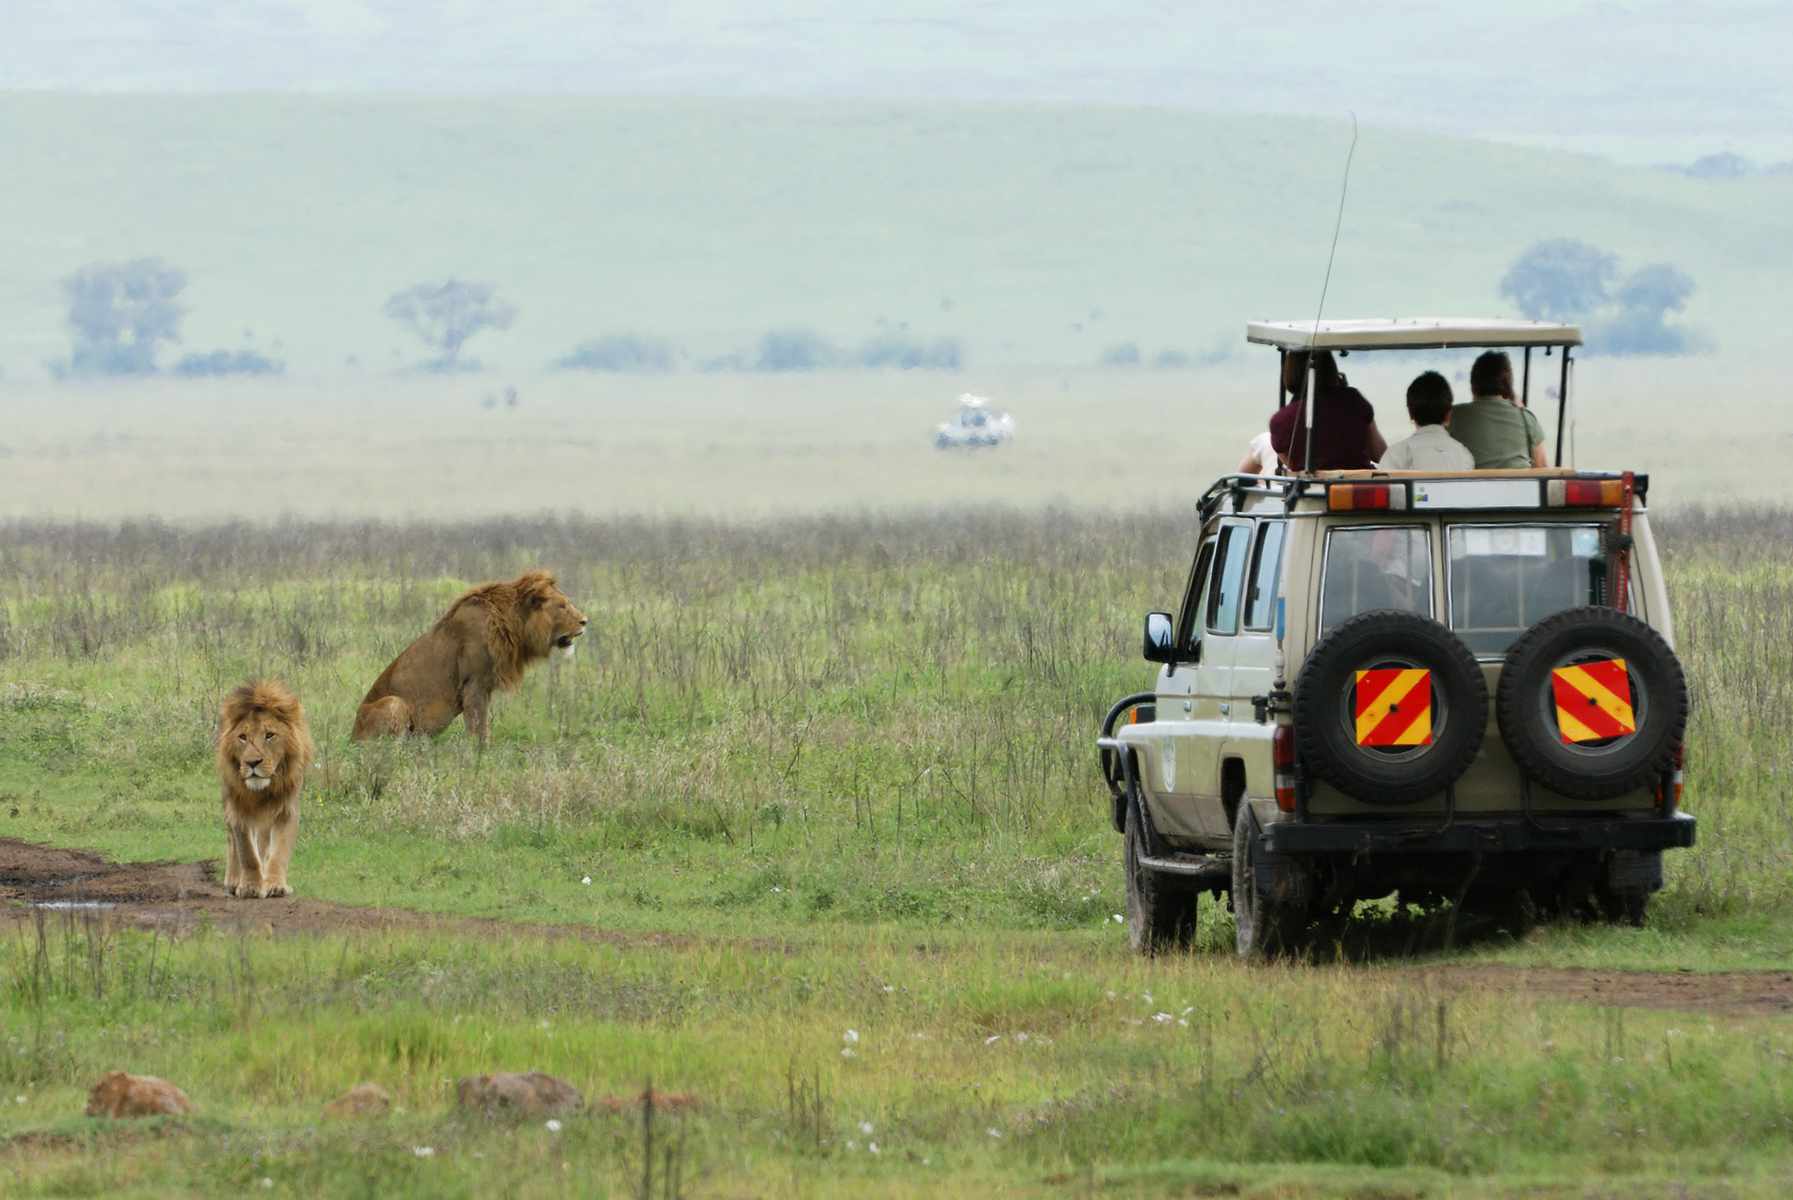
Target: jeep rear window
point(1503, 579)
point(1371, 567)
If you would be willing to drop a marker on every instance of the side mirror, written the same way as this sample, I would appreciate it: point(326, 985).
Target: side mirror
point(1160, 637)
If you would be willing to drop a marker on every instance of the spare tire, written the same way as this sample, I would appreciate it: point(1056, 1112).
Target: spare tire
point(1390, 708)
point(1592, 703)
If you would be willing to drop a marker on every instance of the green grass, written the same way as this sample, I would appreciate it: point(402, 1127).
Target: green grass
point(975, 1063)
point(842, 767)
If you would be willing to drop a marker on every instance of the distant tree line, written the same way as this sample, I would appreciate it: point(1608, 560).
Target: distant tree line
point(122, 316)
point(777, 351)
point(1563, 279)
point(1129, 356)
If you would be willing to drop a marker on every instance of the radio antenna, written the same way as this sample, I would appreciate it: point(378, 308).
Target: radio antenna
point(1307, 460)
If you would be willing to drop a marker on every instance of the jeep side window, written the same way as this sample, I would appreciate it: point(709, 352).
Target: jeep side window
point(1371, 567)
point(1266, 576)
point(1188, 632)
point(1224, 598)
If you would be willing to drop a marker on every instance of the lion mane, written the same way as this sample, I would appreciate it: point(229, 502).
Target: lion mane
point(483, 644)
point(264, 746)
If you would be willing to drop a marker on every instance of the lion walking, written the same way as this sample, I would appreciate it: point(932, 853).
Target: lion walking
point(481, 645)
point(264, 746)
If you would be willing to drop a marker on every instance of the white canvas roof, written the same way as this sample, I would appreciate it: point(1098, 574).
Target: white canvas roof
point(1410, 333)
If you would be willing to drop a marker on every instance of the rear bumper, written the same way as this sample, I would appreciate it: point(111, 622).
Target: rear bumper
point(1484, 835)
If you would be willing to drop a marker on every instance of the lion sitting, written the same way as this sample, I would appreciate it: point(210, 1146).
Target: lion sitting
point(264, 747)
point(481, 645)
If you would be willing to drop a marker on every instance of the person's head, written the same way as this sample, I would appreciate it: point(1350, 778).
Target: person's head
point(1429, 399)
point(1294, 370)
point(1492, 375)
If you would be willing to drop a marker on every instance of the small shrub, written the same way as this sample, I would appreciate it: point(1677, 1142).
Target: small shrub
point(228, 362)
point(624, 353)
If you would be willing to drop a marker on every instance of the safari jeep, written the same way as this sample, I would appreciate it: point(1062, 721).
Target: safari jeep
point(1456, 686)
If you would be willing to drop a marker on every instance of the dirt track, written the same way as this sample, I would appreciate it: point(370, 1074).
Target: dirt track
point(175, 896)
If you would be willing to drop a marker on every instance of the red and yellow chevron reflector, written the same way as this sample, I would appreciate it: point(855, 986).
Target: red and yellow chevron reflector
point(1394, 707)
point(1593, 701)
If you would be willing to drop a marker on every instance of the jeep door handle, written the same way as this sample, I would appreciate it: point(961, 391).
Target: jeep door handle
point(1225, 708)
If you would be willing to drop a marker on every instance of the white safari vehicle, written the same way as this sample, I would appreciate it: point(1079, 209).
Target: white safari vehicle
point(1455, 686)
point(976, 424)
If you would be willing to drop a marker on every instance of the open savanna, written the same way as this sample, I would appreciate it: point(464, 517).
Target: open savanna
point(811, 829)
point(743, 445)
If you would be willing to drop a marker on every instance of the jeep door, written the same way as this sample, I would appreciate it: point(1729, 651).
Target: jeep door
point(1195, 698)
point(1254, 660)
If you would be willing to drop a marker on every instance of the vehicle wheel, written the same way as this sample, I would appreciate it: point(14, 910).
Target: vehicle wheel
point(1623, 906)
point(1566, 726)
point(1384, 749)
point(1159, 916)
point(1269, 907)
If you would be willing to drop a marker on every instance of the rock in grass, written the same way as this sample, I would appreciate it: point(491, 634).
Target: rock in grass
point(362, 1100)
point(120, 1095)
point(527, 1095)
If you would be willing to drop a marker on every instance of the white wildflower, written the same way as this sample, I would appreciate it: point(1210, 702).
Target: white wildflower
point(1119, 919)
point(872, 1146)
point(847, 1052)
point(850, 1037)
point(992, 1039)
point(586, 881)
point(865, 1127)
point(423, 1151)
point(994, 1132)
point(553, 1125)
point(1162, 1018)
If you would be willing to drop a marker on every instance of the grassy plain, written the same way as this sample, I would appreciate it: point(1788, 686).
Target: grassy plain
point(825, 774)
point(746, 446)
point(1035, 234)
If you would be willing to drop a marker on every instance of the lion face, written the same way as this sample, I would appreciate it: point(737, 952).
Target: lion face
point(263, 741)
point(258, 747)
point(553, 622)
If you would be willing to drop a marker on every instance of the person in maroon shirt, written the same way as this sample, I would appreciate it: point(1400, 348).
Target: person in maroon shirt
point(1345, 433)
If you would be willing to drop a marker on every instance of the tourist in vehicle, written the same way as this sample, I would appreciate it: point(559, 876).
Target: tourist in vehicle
point(1496, 429)
point(1345, 433)
point(1260, 457)
point(1431, 448)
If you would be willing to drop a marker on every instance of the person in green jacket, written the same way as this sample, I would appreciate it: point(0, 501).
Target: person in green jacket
point(1492, 425)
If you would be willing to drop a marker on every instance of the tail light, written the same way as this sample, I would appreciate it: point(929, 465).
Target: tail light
point(1668, 793)
point(1282, 755)
point(1365, 497)
point(1584, 493)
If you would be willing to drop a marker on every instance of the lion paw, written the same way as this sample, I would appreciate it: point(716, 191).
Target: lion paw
point(276, 890)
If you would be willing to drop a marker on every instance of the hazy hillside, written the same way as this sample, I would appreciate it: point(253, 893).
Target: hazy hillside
point(1036, 235)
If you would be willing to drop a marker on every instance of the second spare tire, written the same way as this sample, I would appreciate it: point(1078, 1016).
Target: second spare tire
point(1592, 703)
point(1390, 708)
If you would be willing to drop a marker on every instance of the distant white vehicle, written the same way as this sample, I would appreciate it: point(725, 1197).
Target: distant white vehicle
point(976, 424)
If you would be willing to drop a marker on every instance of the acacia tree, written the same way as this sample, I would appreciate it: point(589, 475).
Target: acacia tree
point(1560, 279)
point(446, 314)
point(119, 314)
